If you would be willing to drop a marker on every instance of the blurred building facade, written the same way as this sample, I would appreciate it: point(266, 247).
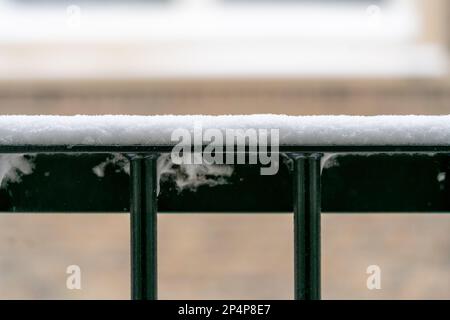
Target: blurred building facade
point(295, 57)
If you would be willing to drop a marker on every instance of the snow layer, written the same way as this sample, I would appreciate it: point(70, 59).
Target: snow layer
point(157, 130)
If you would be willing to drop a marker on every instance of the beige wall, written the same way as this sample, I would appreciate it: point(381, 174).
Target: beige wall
point(435, 15)
point(296, 97)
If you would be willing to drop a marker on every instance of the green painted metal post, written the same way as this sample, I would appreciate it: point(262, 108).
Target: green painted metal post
point(307, 203)
point(143, 223)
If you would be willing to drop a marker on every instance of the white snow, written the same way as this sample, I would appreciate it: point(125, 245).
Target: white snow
point(13, 166)
point(328, 160)
point(118, 161)
point(186, 176)
point(157, 130)
point(191, 176)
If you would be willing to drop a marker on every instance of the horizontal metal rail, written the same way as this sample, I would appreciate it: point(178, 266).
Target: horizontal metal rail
point(400, 183)
point(168, 148)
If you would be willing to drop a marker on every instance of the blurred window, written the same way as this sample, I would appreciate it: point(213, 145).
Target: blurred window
point(224, 38)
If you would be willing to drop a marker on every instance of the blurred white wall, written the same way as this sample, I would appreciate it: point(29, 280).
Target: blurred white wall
point(218, 39)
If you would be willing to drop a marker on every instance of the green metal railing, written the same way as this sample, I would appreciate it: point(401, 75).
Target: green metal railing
point(143, 216)
point(303, 181)
point(307, 192)
point(306, 186)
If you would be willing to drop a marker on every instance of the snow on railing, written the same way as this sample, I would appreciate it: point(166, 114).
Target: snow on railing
point(137, 143)
point(118, 130)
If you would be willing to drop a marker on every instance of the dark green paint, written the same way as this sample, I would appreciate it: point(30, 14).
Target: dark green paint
point(306, 195)
point(143, 222)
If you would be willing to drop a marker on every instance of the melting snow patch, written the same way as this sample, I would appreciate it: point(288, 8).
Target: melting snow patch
point(328, 160)
point(117, 160)
point(191, 176)
point(188, 176)
point(13, 166)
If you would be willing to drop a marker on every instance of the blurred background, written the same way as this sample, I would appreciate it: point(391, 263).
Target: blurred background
point(224, 57)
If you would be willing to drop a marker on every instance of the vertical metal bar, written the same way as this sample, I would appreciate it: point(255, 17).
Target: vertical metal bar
point(307, 198)
point(143, 223)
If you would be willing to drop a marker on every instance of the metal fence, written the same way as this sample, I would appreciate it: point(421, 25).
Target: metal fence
point(366, 179)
